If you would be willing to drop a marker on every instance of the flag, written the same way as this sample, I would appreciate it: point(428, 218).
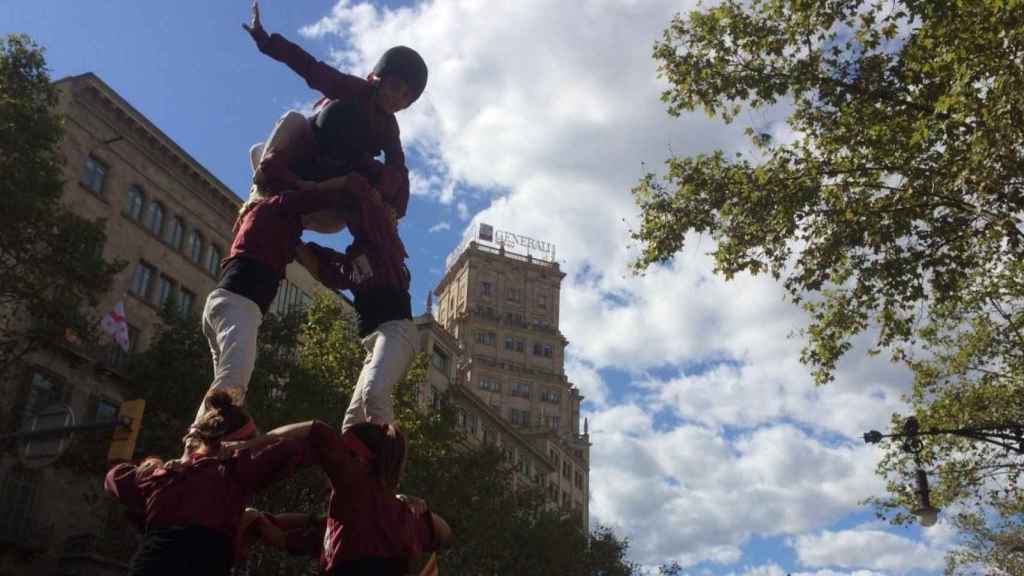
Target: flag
point(115, 324)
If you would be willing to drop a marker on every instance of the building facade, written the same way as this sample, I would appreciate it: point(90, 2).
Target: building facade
point(171, 221)
point(496, 338)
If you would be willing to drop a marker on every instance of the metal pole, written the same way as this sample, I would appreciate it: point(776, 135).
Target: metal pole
point(66, 429)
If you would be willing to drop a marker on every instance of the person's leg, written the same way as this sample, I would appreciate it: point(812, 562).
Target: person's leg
point(390, 349)
point(234, 322)
point(291, 139)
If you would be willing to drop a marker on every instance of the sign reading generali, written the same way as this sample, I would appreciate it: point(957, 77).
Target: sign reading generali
point(517, 242)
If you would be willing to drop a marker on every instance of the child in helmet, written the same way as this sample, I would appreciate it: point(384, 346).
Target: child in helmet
point(353, 126)
point(344, 136)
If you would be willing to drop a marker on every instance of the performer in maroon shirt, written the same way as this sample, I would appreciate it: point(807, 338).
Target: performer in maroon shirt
point(368, 530)
point(190, 509)
point(354, 128)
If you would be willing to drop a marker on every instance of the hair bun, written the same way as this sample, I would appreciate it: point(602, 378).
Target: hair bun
point(219, 400)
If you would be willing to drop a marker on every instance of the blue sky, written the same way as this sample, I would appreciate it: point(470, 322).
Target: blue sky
point(712, 446)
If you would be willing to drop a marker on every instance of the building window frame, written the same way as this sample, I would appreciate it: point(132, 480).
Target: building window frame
point(155, 218)
point(135, 203)
point(142, 280)
point(94, 174)
point(196, 243)
point(213, 258)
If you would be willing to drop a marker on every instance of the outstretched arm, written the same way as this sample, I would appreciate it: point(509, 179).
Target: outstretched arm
point(319, 76)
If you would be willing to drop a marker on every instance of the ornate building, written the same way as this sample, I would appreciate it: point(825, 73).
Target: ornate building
point(496, 337)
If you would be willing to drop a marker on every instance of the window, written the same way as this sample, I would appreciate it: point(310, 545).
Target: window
point(186, 300)
point(177, 234)
point(43, 390)
point(471, 422)
point(490, 384)
point(547, 351)
point(460, 418)
point(213, 263)
point(515, 294)
point(515, 318)
point(519, 417)
point(142, 280)
point(552, 396)
point(542, 301)
point(93, 174)
point(165, 290)
point(510, 343)
point(520, 345)
point(489, 436)
point(486, 289)
point(552, 422)
point(521, 389)
point(133, 205)
point(155, 218)
point(435, 398)
point(195, 246)
point(105, 411)
point(538, 349)
point(486, 338)
point(578, 480)
point(440, 360)
point(17, 500)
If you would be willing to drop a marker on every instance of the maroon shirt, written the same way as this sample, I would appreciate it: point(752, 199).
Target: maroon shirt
point(365, 140)
point(208, 492)
point(271, 230)
point(364, 520)
point(266, 238)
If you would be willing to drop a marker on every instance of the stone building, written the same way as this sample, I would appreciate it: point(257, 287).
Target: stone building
point(170, 219)
point(496, 343)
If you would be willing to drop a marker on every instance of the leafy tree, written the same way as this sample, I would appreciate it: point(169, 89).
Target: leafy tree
point(51, 264)
point(893, 209)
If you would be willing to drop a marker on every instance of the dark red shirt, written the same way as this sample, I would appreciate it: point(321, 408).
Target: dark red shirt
point(371, 132)
point(364, 520)
point(208, 492)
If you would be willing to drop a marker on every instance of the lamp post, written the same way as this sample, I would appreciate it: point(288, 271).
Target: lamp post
point(1007, 436)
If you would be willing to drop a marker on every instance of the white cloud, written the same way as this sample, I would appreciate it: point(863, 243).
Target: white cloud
point(553, 109)
point(440, 226)
point(866, 548)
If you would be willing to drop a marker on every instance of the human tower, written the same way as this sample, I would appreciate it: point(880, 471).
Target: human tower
point(316, 173)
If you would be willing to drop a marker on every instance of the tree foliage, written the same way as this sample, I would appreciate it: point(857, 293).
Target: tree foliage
point(892, 202)
point(51, 265)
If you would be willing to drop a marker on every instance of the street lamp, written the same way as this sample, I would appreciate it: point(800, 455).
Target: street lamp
point(1007, 436)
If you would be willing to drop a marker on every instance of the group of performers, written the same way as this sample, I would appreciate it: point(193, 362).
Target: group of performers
point(315, 173)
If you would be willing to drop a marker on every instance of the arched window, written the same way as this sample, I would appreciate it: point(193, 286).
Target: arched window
point(177, 233)
point(195, 246)
point(133, 204)
point(213, 264)
point(155, 218)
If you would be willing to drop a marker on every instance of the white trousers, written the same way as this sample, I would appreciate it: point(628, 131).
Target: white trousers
point(231, 323)
point(390, 349)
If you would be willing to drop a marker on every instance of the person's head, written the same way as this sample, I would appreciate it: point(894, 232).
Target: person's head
point(388, 444)
point(324, 221)
point(221, 421)
point(400, 77)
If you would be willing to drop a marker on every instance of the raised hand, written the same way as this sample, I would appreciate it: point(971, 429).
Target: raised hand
point(255, 27)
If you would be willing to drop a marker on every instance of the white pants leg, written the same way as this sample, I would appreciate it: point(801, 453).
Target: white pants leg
point(291, 133)
point(390, 349)
point(231, 323)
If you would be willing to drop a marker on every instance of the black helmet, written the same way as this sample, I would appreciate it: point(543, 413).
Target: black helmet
point(408, 65)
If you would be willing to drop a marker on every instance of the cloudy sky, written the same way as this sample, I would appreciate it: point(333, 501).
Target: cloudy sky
point(711, 445)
